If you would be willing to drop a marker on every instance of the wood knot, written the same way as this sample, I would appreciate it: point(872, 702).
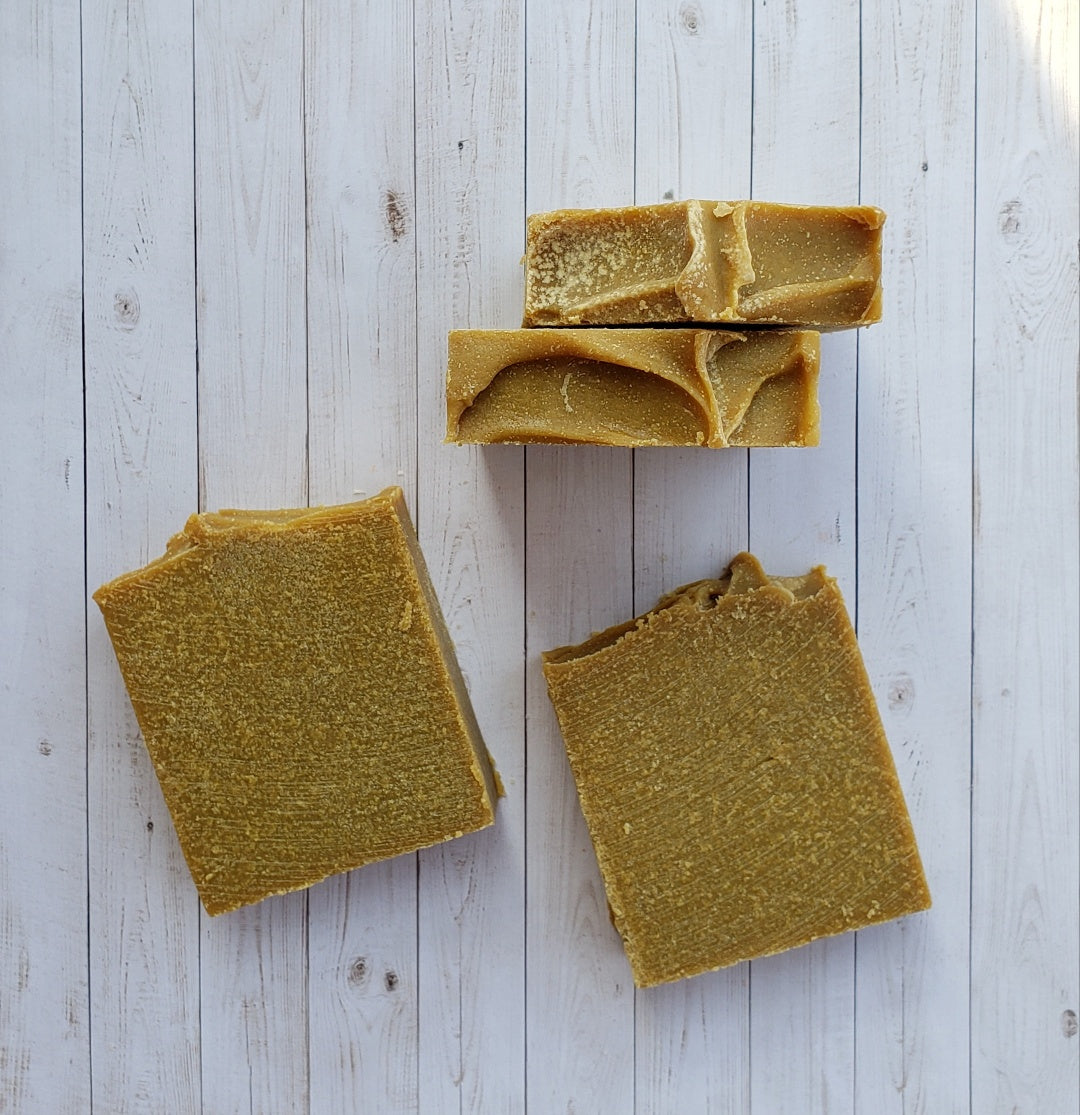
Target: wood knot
point(690, 19)
point(1068, 1023)
point(901, 692)
point(395, 215)
point(44, 747)
point(391, 981)
point(149, 826)
point(126, 309)
point(1009, 219)
point(357, 972)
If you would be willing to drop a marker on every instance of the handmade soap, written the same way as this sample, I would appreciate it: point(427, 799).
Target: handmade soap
point(734, 774)
point(706, 387)
point(705, 261)
point(299, 696)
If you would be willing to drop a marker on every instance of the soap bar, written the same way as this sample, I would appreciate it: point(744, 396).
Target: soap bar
point(706, 387)
point(734, 774)
point(705, 261)
point(298, 694)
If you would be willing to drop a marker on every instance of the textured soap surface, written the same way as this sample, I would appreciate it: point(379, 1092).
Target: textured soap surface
point(733, 771)
point(633, 387)
point(705, 261)
point(298, 695)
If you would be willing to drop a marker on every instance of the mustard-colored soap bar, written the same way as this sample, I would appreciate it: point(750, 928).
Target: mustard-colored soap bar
point(633, 387)
point(734, 774)
point(705, 261)
point(299, 696)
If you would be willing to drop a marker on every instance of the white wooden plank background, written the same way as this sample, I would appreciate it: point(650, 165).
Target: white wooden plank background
point(232, 239)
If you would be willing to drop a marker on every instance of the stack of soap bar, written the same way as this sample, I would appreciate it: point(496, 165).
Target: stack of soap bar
point(705, 261)
point(298, 695)
point(633, 387)
point(734, 774)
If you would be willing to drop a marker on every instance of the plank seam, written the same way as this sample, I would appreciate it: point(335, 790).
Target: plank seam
point(633, 564)
point(306, 934)
point(749, 1095)
point(86, 555)
point(971, 596)
point(855, 621)
point(524, 627)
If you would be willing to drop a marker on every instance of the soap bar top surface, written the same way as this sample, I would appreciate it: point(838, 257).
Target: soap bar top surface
point(298, 695)
point(633, 387)
point(734, 774)
point(705, 261)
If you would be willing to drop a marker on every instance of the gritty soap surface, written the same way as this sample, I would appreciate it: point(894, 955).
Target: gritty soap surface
point(298, 696)
point(734, 774)
point(705, 261)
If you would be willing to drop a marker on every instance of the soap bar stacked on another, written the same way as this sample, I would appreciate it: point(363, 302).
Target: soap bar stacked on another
point(705, 261)
point(299, 696)
point(734, 774)
point(688, 262)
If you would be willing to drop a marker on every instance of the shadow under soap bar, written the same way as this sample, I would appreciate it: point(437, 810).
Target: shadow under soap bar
point(705, 261)
point(299, 696)
point(734, 774)
point(633, 387)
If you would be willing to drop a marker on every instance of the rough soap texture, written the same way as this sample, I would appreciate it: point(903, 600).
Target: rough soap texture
point(633, 387)
point(705, 261)
point(298, 695)
point(733, 771)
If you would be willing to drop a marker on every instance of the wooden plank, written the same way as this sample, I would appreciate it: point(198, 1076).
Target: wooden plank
point(469, 209)
point(578, 570)
point(690, 506)
point(250, 244)
point(141, 465)
point(363, 980)
point(914, 512)
point(1026, 800)
point(44, 1010)
point(802, 506)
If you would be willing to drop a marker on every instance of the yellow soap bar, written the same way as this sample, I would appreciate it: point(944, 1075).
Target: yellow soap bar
point(705, 261)
point(734, 774)
point(298, 694)
point(635, 387)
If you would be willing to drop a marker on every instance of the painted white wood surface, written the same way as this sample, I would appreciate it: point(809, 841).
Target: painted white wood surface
point(250, 252)
point(361, 394)
point(579, 86)
point(914, 542)
point(233, 239)
point(44, 1007)
point(469, 61)
point(1025, 709)
point(692, 1038)
point(138, 249)
point(801, 1003)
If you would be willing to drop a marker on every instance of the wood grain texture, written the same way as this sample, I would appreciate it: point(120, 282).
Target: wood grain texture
point(802, 506)
point(363, 981)
point(690, 506)
point(914, 513)
point(141, 467)
point(44, 1009)
point(578, 540)
point(470, 137)
point(1026, 800)
point(252, 330)
point(284, 209)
